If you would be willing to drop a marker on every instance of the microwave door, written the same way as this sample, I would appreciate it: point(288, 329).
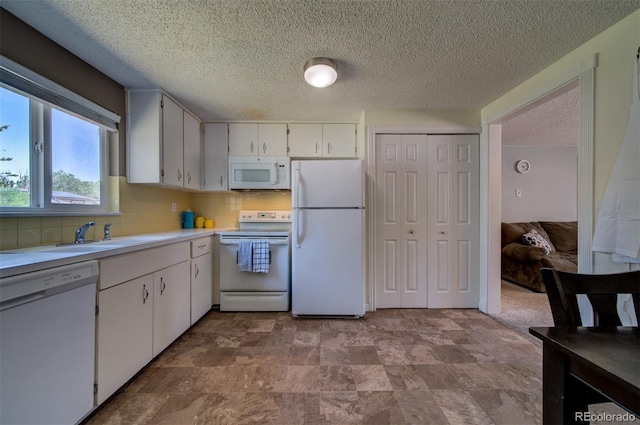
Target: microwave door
point(258, 173)
point(251, 176)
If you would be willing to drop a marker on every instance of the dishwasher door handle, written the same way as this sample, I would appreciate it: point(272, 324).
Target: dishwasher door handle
point(4, 305)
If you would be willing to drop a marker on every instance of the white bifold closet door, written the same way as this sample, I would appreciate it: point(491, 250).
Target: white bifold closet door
point(426, 220)
point(453, 230)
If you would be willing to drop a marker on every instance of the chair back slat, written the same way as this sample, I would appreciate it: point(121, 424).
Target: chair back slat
point(602, 291)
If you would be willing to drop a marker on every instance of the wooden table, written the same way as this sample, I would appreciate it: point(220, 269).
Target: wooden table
point(606, 359)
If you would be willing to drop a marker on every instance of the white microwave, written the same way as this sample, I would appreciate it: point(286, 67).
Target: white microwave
point(259, 172)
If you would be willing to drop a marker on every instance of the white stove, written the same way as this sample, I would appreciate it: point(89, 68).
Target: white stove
point(255, 266)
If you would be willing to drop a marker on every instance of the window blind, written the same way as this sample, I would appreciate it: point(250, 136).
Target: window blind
point(31, 83)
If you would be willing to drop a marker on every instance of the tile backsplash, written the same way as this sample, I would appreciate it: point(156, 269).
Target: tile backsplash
point(143, 209)
point(223, 207)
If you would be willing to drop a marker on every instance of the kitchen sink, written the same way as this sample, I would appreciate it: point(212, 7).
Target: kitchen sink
point(77, 244)
point(91, 247)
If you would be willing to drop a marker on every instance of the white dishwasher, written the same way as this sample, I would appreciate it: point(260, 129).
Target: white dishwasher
point(47, 345)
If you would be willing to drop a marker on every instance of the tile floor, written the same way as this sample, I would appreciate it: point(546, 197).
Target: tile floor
point(392, 367)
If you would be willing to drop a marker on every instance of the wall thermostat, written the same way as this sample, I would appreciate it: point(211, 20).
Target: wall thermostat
point(523, 166)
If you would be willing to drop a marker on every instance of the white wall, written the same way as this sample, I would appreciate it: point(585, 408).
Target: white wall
point(548, 191)
point(616, 48)
point(384, 117)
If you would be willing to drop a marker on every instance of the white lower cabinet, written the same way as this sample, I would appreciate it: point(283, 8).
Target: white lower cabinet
point(144, 304)
point(171, 305)
point(201, 278)
point(125, 339)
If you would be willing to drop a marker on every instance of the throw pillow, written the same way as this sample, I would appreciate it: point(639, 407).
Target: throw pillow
point(534, 238)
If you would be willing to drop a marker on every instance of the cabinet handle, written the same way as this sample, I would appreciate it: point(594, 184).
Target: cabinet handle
point(316, 147)
point(252, 147)
point(189, 177)
point(328, 147)
point(220, 181)
point(145, 294)
point(264, 147)
point(163, 286)
point(179, 175)
point(197, 271)
point(202, 246)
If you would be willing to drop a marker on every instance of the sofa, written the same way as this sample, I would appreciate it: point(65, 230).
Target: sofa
point(528, 246)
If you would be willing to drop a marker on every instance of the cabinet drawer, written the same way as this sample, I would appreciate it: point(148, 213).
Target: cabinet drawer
point(121, 268)
point(200, 247)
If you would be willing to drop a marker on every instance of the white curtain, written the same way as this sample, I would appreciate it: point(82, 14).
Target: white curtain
point(617, 229)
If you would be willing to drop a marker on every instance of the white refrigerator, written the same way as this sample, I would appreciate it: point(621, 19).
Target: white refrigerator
point(327, 238)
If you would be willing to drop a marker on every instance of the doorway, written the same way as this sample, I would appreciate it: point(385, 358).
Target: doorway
point(547, 137)
point(491, 188)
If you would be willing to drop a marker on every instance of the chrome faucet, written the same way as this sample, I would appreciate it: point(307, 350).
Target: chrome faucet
point(107, 232)
point(82, 230)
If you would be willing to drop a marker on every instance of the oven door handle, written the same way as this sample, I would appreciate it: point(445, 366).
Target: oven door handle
point(238, 257)
point(281, 241)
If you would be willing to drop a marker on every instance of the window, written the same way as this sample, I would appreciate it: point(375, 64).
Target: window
point(15, 189)
point(53, 158)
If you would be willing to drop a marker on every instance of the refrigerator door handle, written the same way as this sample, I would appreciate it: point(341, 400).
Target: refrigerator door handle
point(297, 204)
point(297, 188)
point(297, 234)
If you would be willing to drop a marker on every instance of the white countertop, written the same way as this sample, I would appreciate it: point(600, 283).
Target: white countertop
point(26, 260)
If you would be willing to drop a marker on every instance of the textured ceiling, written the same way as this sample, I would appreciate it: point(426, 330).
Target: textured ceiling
point(556, 122)
point(242, 59)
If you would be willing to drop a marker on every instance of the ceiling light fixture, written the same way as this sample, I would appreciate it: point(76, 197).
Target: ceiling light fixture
point(320, 72)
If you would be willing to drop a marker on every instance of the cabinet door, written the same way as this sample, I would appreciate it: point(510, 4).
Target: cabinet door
point(305, 140)
point(125, 331)
point(272, 139)
point(201, 286)
point(172, 142)
point(171, 305)
point(339, 140)
point(192, 150)
point(216, 148)
point(144, 137)
point(243, 139)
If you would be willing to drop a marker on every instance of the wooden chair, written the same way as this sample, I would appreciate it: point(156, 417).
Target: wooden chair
point(602, 291)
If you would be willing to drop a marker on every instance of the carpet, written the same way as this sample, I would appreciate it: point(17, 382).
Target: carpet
point(522, 309)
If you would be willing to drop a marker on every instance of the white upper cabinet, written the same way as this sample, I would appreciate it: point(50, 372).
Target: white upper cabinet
point(272, 139)
point(322, 140)
point(215, 149)
point(339, 140)
point(172, 171)
point(192, 152)
point(163, 141)
point(305, 140)
point(243, 139)
point(251, 139)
